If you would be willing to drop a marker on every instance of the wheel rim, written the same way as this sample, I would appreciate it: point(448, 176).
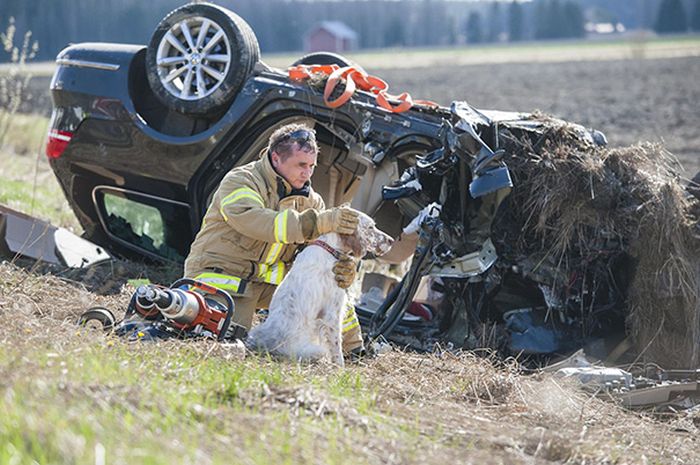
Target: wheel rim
point(94, 324)
point(193, 58)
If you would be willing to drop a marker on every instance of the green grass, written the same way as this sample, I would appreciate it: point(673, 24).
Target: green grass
point(135, 401)
point(27, 183)
point(26, 133)
point(423, 56)
point(72, 396)
point(43, 200)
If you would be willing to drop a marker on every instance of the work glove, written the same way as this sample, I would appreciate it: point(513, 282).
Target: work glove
point(344, 272)
point(431, 211)
point(343, 220)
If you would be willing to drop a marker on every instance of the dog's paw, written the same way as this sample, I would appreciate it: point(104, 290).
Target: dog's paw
point(308, 353)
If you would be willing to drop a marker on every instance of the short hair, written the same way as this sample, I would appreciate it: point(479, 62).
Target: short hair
point(283, 139)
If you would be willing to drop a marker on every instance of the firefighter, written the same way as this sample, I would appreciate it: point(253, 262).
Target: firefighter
point(259, 215)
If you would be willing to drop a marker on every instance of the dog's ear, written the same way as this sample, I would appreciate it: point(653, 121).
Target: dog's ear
point(353, 243)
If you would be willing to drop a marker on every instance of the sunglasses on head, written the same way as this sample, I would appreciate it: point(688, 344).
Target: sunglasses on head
point(304, 137)
point(301, 135)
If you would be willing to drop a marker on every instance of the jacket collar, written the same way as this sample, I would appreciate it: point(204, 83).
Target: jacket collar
point(277, 182)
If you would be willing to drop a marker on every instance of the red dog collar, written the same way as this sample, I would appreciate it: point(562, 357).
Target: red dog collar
point(337, 254)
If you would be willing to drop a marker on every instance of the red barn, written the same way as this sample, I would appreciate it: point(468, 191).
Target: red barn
point(330, 36)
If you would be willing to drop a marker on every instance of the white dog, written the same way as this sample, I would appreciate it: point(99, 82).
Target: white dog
point(306, 311)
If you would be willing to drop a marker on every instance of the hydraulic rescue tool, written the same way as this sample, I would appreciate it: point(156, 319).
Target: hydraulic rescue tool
point(186, 309)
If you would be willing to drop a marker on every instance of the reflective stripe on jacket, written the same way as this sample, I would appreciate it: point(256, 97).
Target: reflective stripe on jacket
point(350, 320)
point(251, 229)
point(230, 284)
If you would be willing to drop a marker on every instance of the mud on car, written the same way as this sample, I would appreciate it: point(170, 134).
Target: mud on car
point(141, 136)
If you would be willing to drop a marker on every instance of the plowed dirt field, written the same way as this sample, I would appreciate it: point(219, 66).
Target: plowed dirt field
point(629, 100)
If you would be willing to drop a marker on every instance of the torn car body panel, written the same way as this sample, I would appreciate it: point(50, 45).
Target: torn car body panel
point(519, 299)
point(24, 236)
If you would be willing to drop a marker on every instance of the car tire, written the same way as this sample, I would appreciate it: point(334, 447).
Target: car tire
point(97, 317)
point(199, 58)
point(324, 58)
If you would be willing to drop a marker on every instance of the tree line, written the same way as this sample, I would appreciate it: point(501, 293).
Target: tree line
point(673, 17)
point(280, 25)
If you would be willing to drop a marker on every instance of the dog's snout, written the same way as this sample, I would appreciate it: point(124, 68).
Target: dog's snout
point(388, 241)
point(382, 243)
point(374, 241)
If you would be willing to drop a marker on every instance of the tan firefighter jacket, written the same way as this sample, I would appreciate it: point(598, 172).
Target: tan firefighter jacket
point(251, 229)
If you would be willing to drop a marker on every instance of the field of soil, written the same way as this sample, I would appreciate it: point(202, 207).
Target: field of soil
point(629, 100)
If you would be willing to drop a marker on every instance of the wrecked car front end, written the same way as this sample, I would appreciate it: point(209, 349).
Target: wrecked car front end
point(510, 274)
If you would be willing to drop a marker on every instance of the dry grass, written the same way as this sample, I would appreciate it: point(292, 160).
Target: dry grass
point(600, 216)
point(67, 394)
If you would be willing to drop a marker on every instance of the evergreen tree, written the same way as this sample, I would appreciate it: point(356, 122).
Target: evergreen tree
point(556, 20)
point(425, 34)
point(474, 31)
point(556, 26)
point(543, 25)
point(695, 19)
point(451, 30)
point(671, 17)
point(439, 24)
point(394, 33)
point(494, 22)
point(515, 21)
point(573, 20)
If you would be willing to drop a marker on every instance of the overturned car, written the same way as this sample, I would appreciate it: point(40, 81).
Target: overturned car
point(531, 236)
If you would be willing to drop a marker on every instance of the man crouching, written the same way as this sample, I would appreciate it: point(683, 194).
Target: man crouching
point(259, 215)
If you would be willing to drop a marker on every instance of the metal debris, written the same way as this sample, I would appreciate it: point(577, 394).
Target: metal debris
point(25, 236)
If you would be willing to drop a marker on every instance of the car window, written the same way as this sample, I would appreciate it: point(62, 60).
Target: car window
point(146, 223)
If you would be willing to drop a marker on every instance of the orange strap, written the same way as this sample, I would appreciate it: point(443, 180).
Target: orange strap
point(405, 101)
point(356, 78)
point(333, 81)
point(301, 72)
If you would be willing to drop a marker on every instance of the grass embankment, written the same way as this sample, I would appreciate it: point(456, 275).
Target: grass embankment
point(74, 396)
